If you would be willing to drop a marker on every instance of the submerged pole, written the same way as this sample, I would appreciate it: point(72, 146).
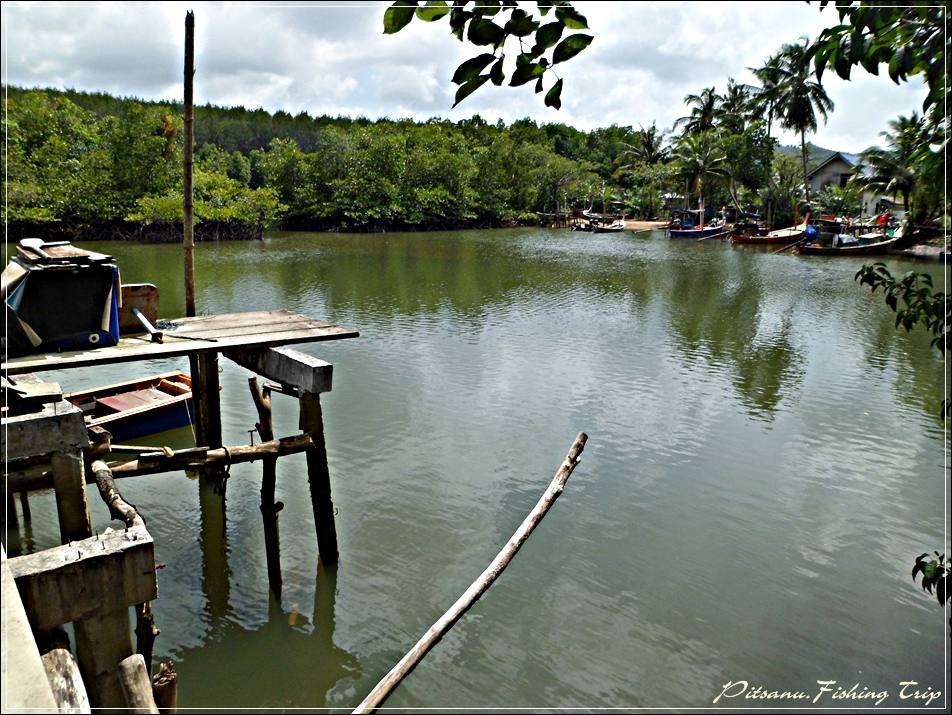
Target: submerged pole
point(188, 238)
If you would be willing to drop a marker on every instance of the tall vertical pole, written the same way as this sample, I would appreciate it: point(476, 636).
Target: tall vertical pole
point(189, 241)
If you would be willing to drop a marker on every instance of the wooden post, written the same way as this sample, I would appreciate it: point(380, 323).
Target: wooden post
point(102, 641)
point(69, 481)
point(269, 508)
point(188, 238)
point(318, 477)
point(205, 396)
point(25, 506)
point(136, 685)
point(165, 687)
point(146, 632)
point(65, 681)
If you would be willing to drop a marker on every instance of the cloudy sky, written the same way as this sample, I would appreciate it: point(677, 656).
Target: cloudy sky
point(332, 58)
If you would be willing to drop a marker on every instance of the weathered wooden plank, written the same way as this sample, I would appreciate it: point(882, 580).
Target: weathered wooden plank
point(288, 367)
point(74, 581)
point(65, 681)
point(140, 348)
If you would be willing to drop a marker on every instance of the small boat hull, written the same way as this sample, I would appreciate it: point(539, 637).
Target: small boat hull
point(698, 232)
point(869, 249)
point(767, 240)
point(139, 407)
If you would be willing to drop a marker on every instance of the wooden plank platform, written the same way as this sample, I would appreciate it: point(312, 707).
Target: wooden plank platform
point(202, 334)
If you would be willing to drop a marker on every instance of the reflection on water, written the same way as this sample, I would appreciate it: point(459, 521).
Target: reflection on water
point(765, 459)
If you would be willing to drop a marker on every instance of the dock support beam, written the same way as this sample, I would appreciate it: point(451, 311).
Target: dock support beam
point(318, 477)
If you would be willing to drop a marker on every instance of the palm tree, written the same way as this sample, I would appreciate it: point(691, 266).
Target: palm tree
point(699, 156)
point(647, 149)
point(895, 170)
point(765, 103)
point(733, 107)
point(801, 99)
point(702, 113)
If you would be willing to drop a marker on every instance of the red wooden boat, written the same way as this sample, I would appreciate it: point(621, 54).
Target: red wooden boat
point(138, 407)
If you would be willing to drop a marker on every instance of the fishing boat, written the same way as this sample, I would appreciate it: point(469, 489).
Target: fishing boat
point(850, 249)
point(761, 240)
point(613, 227)
point(699, 232)
point(138, 407)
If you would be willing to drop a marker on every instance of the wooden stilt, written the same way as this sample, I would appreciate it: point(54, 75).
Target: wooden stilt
point(269, 508)
point(165, 688)
point(318, 476)
point(102, 641)
point(25, 506)
point(146, 633)
point(187, 204)
point(205, 396)
point(69, 481)
point(136, 685)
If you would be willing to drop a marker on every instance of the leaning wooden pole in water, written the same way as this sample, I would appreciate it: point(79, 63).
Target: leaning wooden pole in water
point(188, 238)
point(383, 689)
point(269, 507)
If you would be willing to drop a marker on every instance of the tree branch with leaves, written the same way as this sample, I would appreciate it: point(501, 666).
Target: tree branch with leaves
point(541, 45)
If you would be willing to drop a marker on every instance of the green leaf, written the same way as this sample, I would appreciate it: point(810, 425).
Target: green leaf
point(553, 98)
point(538, 87)
point(398, 16)
point(569, 47)
point(495, 74)
point(521, 24)
point(544, 8)
point(485, 32)
point(433, 10)
point(547, 35)
point(571, 17)
point(472, 67)
point(469, 87)
point(525, 72)
point(458, 20)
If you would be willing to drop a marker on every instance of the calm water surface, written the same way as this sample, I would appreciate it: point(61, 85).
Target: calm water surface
point(765, 461)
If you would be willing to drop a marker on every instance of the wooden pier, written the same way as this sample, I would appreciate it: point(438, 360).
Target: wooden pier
point(93, 580)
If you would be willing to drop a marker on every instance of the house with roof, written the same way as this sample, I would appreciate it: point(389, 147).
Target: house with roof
point(837, 169)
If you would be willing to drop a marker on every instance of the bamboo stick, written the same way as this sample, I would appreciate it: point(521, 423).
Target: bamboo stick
point(383, 689)
point(193, 458)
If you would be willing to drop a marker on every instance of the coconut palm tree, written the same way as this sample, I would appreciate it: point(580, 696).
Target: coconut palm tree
point(646, 149)
point(801, 98)
point(765, 102)
point(733, 107)
point(895, 170)
point(699, 157)
point(703, 110)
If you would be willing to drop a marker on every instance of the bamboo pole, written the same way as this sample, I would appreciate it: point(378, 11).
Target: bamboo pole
point(188, 228)
point(383, 689)
point(69, 692)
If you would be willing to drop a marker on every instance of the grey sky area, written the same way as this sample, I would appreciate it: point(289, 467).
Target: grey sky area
point(332, 58)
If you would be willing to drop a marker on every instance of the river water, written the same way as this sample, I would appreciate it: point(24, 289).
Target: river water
point(765, 460)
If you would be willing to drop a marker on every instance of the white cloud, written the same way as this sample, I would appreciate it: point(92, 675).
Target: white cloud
point(333, 58)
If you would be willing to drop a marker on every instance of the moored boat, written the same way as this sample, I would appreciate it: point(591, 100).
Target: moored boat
point(705, 232)
point(613, 227)
point(138, 407)
point(857, 249)
point(762, 240)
